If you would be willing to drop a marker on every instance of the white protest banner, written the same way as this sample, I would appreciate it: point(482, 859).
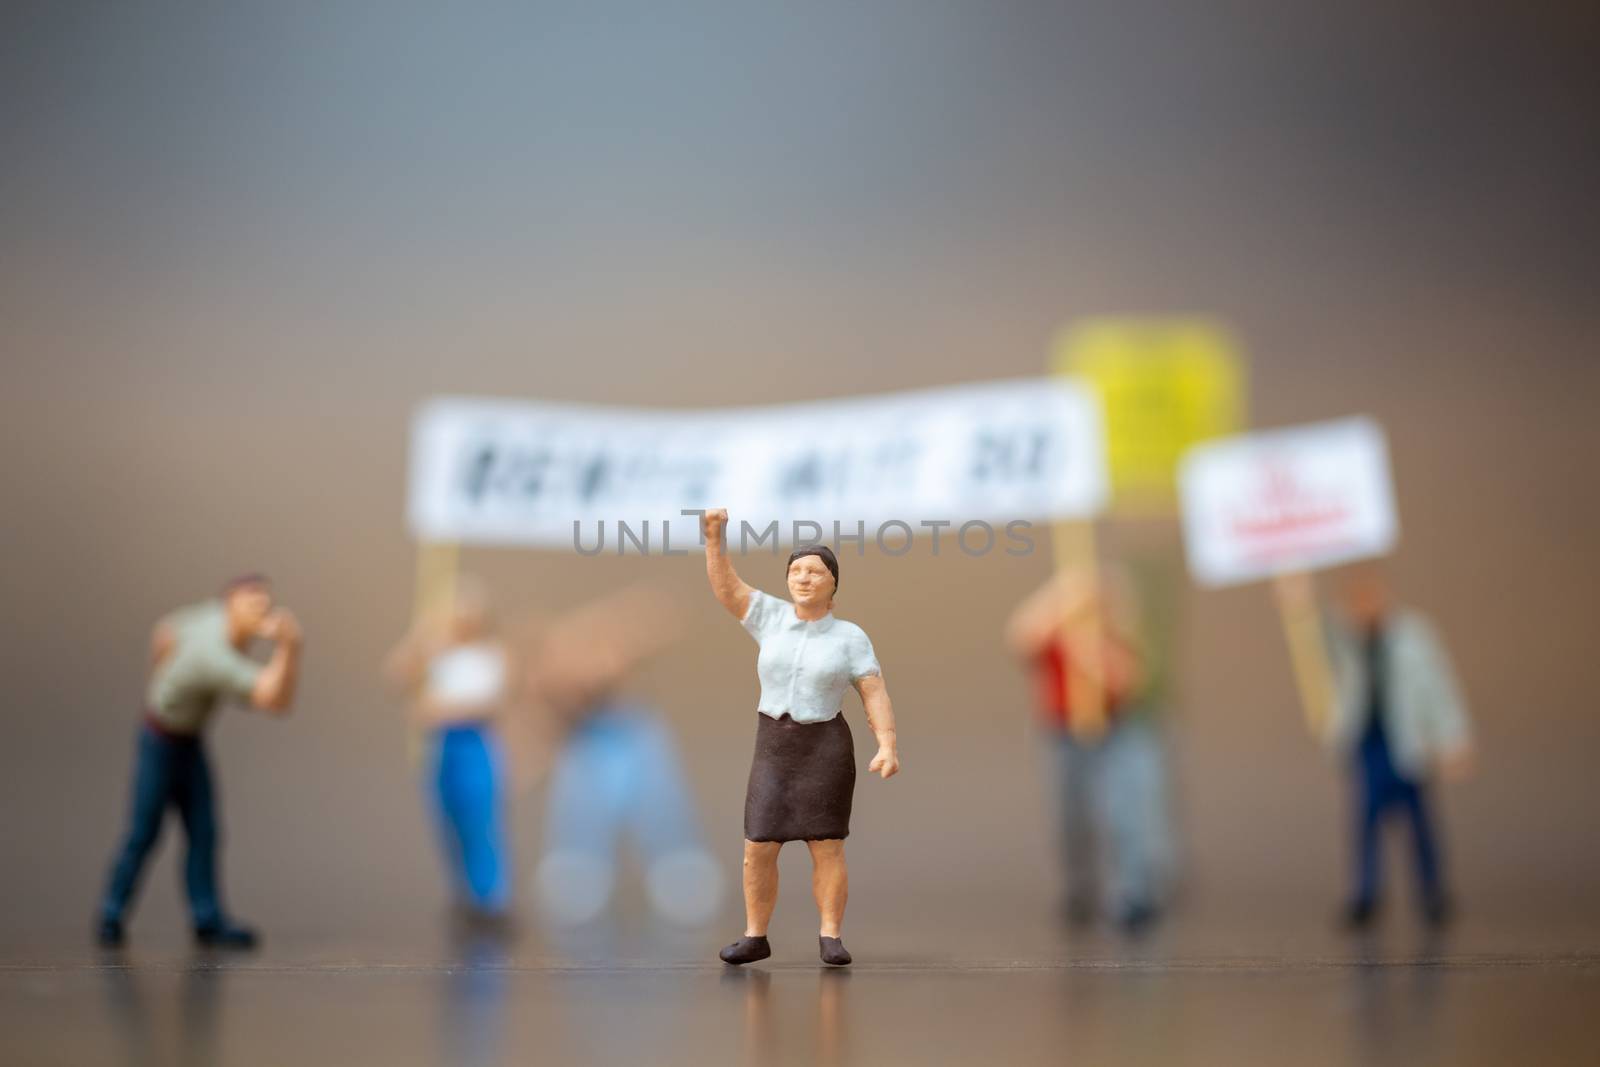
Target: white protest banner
point(511, 472)
point(1298, 499)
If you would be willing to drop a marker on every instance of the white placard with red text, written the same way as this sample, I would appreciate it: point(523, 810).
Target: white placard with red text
point(1297, 499)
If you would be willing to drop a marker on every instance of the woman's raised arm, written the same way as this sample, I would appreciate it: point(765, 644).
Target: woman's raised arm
point(731, 591)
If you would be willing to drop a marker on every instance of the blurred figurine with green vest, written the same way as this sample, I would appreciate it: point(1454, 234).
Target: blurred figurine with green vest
point(1397, 721)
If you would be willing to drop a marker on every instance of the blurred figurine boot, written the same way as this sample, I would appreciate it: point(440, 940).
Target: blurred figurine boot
point(1359, 915)
point(224, 933)
point(110, 934)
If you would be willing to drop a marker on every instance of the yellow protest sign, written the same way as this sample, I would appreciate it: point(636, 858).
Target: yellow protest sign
point(1165, 384)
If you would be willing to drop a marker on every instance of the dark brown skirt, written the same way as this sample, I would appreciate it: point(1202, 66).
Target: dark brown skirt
point(802, 780)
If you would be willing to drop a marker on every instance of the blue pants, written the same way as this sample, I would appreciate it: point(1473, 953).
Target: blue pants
point(1381, 790)
point(619, 769)
point(169, 771)
point(618, 773)
point(1113, 809)
point(470, 796)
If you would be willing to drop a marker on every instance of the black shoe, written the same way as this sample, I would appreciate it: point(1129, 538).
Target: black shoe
point(225, 934)
point(471, 921)
point(833, 951)
point(746, 950)
point(1438, 912)
point(109, 934)
point(1360, 915)
point(1137, 919)
point(1078, 911)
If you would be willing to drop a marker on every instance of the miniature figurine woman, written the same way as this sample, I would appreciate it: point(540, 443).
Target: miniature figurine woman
point(803, 775)
point(458, 671)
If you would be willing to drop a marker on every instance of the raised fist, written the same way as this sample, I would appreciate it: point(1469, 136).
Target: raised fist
point(712, 523)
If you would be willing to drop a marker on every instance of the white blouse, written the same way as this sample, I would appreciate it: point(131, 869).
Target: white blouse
point(468, 676)
point(805, 667)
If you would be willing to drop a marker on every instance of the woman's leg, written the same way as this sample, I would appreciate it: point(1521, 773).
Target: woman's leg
point(830, 883)
point(469, 797)
point(760, 885)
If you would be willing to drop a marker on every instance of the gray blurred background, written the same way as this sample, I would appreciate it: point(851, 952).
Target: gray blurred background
point(239, 246)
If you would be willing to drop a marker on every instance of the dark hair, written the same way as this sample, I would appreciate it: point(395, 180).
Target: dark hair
point(822, 552)
point(244, 581)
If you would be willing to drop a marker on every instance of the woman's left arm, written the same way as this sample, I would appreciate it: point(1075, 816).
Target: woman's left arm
point(880, 716)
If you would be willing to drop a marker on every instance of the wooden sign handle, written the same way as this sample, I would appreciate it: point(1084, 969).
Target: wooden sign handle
point(1308, 649)
point(438, 564)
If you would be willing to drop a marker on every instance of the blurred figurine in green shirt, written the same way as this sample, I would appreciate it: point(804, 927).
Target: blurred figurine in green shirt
point(197, 657)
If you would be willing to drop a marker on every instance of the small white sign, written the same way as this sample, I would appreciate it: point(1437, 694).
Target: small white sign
point(1299, 499)
point(507, 472)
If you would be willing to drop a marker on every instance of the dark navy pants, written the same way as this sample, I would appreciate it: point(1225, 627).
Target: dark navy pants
point(169, 772)
point(1382, 791)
